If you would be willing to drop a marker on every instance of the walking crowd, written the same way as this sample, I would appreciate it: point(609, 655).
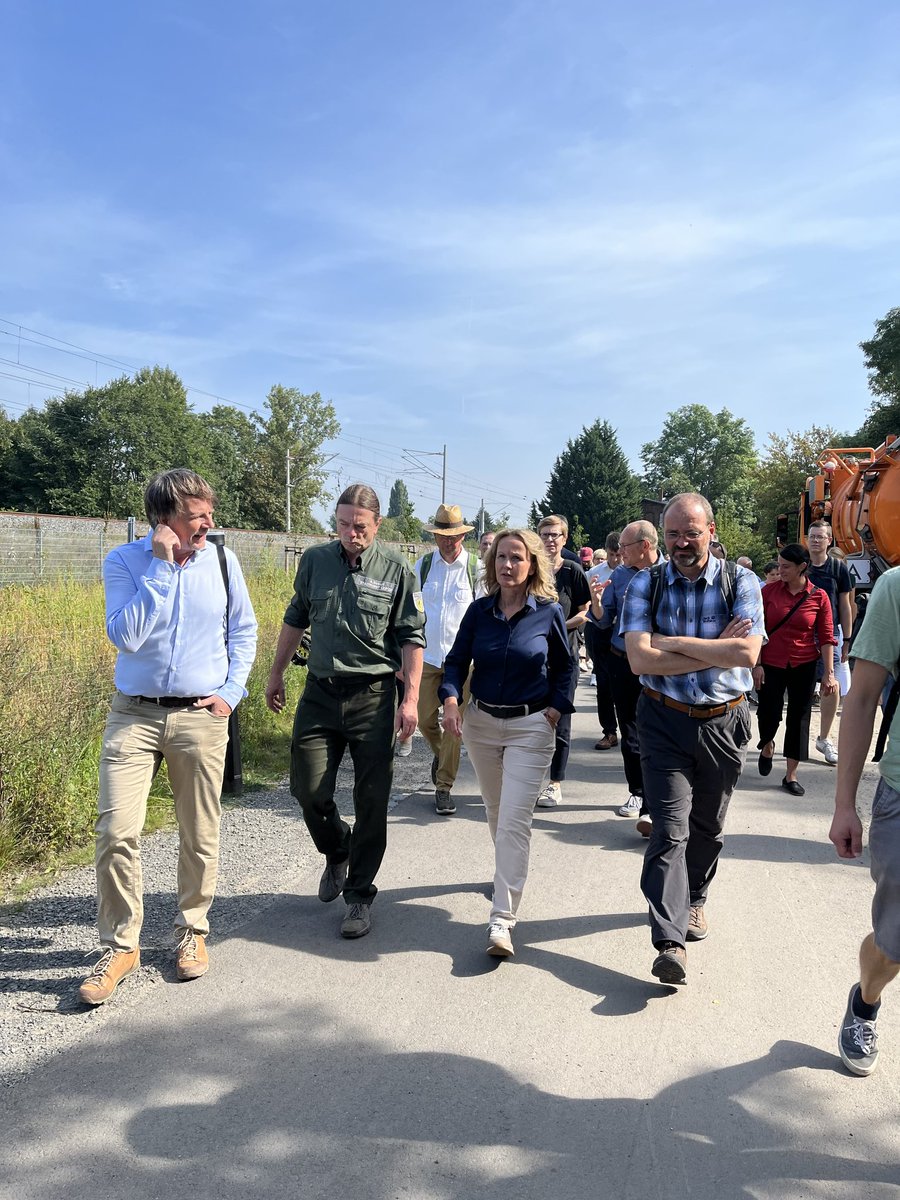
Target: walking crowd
point(483, 651)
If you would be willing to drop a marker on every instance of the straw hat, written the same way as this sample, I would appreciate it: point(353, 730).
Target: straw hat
point(448, 520)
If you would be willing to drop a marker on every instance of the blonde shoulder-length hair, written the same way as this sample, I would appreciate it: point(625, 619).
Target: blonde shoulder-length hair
point(541, 582)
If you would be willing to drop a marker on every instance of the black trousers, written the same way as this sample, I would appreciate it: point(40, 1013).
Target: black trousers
point(626, 687)
point(690, 767)
point(354, 714)
point(799, 682)
point(596, 643)
point(563, 739)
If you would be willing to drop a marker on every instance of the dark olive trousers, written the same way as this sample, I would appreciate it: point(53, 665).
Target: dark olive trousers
point(355, 713)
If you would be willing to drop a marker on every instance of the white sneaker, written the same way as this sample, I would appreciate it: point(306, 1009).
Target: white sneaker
point(403, 749)
point(631, 808)
point(499, 942)
point(827, 749)
point(550, 796)
point(644, 825)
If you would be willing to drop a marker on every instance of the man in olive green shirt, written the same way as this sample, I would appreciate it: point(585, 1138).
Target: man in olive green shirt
point(367, 621)
point(876, 652)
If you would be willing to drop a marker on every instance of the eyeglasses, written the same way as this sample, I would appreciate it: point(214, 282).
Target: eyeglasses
point(625, 545)
point(551, 537)
point(671, 536)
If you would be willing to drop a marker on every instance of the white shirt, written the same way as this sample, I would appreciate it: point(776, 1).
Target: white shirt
point(602, 571)
point(446, 595)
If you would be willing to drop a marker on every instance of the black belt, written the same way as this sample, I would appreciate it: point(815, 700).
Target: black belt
point(170, 701)
point(506, 712)
point(701, 711)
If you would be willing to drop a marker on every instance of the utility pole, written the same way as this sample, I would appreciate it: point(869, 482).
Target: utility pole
point(414, 457)
point(287, 505)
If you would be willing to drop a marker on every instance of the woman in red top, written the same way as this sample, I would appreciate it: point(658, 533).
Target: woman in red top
point(800, 631)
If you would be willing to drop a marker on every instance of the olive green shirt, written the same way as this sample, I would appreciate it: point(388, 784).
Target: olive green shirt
point(878, 641)
point(358, 617)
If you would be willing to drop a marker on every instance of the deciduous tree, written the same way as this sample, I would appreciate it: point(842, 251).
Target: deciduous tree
point(297, 424)
point(701, 451)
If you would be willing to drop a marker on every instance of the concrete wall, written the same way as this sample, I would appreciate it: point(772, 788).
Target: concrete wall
point(36, 547)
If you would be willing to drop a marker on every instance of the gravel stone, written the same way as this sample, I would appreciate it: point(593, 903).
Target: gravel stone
point(47, 943)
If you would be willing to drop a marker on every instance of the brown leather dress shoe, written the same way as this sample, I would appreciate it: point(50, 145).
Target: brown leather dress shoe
point(607, 742)
point(191, 958)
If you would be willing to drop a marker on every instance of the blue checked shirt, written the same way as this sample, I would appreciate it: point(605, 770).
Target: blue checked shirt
point(695, 608)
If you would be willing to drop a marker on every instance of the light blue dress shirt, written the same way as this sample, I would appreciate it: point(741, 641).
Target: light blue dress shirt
point(168, 624)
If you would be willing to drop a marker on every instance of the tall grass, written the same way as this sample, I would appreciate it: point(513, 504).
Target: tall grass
point(56, 672)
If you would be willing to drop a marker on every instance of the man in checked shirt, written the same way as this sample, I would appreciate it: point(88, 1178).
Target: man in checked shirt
point(693, 647)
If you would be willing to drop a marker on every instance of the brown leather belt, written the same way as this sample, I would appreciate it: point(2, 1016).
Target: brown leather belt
point(617, 652)
point(701, 711)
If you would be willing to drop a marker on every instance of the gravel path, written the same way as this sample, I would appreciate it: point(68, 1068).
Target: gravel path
point(46, 944)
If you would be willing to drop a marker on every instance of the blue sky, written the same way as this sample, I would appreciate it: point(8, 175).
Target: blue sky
point(480, 224)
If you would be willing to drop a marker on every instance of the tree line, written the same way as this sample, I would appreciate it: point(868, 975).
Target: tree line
point(592, 485)
point(89, 453)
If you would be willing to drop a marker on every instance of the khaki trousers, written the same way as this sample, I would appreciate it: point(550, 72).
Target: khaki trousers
point(511, 760)
point(137, 738)
point(445, 748)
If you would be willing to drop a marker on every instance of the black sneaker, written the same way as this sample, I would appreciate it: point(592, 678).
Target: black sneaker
point(443, 803)
point(333, 879)
point(857, 1041)
point(434, 767)
point(357, 922)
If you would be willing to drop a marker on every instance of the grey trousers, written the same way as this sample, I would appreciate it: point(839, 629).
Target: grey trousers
point(690, 768)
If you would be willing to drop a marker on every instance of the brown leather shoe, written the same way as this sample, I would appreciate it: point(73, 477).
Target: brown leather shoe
point(607, 742)
point(698, 928)
point(191, 959)
point(107, 973)
point(670, 965)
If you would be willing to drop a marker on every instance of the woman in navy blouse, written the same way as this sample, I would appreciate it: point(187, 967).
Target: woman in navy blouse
point(515, 639)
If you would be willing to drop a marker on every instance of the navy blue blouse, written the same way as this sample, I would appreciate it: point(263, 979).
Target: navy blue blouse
point(525, 660)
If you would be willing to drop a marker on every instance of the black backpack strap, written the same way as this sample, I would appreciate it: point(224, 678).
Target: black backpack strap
point(728, 582)
point(889, 709)
point(223, 567)
point(656, 587)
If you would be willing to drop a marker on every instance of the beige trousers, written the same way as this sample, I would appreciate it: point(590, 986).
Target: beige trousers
point(444, 748)
point(137, 738)
point(511, 760)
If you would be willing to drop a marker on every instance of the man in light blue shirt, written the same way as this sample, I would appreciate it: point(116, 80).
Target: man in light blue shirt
point(185, 651)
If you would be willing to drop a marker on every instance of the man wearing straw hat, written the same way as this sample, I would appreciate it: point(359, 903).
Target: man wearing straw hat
point(447, 578)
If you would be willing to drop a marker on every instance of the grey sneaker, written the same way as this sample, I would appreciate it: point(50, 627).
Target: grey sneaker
point(631, 807)
point(357, 922)
point(827, 749)
point(698, 927)
point(443, 803)
point(332, 882)
point(857, 1041)
point(499, 942)
point(403, 749)
point(670, 965)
